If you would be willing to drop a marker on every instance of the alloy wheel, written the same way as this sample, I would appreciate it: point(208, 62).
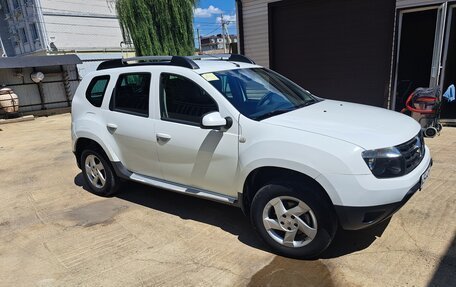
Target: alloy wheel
point(95, 171)
point(289, 221)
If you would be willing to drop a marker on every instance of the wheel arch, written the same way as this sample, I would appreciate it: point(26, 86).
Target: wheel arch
point(83, 143)
point(262, 175)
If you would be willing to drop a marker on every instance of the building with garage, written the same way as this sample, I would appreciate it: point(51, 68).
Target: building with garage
point(366, 51)
point(42, 83)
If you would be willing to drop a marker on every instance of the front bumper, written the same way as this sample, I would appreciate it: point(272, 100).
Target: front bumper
point(359, 217)
point(354, 218)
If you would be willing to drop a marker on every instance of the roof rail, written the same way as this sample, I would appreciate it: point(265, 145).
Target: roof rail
point(181, 61)
point(149, 60)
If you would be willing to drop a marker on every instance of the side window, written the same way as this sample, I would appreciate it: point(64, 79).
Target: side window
point(131, 94)
point(96, 90)
point(183, 100)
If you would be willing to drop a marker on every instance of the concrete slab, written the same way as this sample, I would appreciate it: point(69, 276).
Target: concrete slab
point(17, 120)
point(55, 233)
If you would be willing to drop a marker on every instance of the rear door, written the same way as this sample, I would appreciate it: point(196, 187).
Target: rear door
point(337, 49)
point(129, 122)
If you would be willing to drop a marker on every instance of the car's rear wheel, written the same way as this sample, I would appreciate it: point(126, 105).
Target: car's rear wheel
point(294, 220)
point(98, 173)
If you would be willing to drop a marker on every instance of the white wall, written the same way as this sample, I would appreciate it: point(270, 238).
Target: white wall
point(82, 25)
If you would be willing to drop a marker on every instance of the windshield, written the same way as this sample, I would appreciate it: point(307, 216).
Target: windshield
point(259, 93)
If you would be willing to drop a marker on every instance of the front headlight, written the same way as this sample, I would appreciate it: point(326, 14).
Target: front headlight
point(385, 162)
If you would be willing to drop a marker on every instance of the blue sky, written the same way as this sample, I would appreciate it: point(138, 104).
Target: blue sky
point(207, 16)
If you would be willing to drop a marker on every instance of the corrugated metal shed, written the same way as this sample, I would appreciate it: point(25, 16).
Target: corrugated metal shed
point(55, 91)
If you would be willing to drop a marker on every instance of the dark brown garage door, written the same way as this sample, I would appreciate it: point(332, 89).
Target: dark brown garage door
point(337, 49)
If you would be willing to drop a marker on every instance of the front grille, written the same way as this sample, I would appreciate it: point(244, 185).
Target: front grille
point(413, 152)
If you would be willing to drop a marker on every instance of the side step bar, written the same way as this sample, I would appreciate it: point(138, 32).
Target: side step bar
point(183, 189)
point(121, 171)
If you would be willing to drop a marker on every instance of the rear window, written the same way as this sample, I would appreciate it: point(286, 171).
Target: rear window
point(131, 95)
point(96, 90)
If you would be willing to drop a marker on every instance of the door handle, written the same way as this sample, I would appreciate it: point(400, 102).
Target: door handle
point(163, 137)
point(111, 127)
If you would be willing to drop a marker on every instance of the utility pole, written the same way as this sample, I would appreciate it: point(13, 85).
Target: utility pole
point(227, 33)
point(222, 21)
point(199, 41)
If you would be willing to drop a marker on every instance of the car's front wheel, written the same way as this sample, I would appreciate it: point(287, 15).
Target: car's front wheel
point(293, 219)
point(98, 173)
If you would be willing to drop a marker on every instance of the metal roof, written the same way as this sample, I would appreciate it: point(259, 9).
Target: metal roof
point(38, 61)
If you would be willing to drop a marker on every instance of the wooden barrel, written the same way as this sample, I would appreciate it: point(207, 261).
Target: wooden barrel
point(9, 101)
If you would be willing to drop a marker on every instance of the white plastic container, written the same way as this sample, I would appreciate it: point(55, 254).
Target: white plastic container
point(9, 102)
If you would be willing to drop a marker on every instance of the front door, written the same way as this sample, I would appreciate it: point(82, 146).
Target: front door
point(188, 154)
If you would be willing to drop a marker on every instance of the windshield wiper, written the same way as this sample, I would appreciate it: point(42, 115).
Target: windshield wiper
point(282, 111)
point(272, 113)
point(306, 103)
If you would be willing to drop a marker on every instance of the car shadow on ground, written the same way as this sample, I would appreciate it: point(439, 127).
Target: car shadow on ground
point(228, 218)
point(445, 274)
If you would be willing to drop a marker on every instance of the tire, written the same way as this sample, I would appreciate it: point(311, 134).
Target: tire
point(430, 132)
point(307, 218)
point(98, 173)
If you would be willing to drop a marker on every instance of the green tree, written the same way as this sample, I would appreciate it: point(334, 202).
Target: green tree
point(158, 27)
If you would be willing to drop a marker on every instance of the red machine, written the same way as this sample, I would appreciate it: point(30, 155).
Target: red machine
point(426, 102)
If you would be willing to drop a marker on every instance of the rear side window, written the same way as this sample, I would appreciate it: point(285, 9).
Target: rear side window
point(96, 90)
point(131, 94)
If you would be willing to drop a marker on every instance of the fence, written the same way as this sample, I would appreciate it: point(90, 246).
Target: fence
point(55, 91)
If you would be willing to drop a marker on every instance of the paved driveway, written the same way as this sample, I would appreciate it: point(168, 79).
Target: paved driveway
point(55, 233)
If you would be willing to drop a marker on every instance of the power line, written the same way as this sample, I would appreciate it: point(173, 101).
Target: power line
point(218, 28)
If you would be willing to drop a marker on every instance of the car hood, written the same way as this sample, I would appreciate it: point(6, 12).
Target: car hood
point(366, 126)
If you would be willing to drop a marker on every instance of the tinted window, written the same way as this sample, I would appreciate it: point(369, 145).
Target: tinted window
point(131, 94)
point(96, 90)
point(183, 100)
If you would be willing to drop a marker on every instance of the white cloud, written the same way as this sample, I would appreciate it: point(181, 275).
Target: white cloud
point(206, 12)
point(229, 18)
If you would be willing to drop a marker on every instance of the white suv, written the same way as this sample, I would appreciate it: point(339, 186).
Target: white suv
point(225, 129)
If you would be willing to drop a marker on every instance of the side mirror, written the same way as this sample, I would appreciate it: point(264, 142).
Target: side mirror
point(214, 120)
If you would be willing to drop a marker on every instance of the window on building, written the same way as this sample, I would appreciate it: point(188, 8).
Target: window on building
point(23, 35)
point(184, 101)
point(34, 31)
point(131, 94)
point(96, 90)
